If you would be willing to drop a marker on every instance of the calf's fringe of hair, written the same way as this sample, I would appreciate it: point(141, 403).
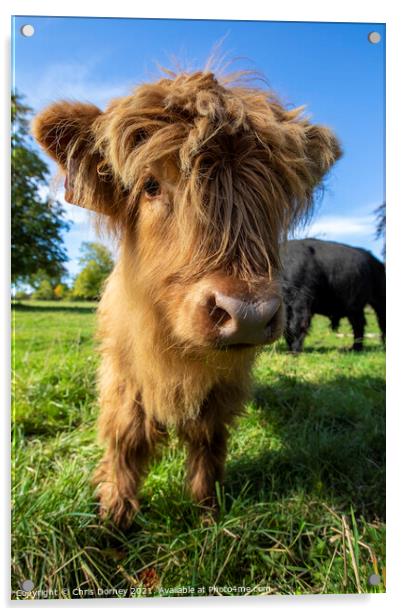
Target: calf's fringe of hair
point(248, 166)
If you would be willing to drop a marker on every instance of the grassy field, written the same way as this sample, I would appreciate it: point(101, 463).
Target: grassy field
point(303, 506)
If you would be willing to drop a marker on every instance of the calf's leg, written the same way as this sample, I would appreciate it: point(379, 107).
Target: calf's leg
point(206, 439)
point(130, 439)
point(206, 460)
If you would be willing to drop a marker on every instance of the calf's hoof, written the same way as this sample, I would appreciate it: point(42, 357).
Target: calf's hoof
point(209, 510)
point(209, 516)
point(114, 507)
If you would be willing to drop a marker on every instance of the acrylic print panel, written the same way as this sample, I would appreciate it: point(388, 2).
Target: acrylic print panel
point(215, 424)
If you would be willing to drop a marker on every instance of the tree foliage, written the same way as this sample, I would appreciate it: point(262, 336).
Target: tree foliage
point(97, 264)
point(36, 224)
point(44, 290)
point(61, 291)
point(381, 224)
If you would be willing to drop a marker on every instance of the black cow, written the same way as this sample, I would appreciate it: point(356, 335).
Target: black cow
point(334, 280)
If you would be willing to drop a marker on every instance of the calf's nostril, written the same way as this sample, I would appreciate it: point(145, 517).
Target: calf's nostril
point(218, 315)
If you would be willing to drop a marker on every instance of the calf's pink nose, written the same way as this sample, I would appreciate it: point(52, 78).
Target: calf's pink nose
point(243, 322)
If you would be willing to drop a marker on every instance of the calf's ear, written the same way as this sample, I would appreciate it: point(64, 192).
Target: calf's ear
point(314, 149)
point(322, 150)
point(66, 131)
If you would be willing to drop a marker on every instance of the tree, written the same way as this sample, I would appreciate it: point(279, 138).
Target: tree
point(44, 290)
point(61, 291)
point(21, 294)
point(36, 223)
point(98, 263)
point(381, 224)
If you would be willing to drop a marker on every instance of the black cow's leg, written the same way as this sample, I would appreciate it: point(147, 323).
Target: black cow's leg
point(379, 308)
point(358, 322)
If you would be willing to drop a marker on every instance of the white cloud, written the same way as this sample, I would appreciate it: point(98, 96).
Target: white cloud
point(43, 192)
point(81, 230)
point(337, 227)
point(74, 81)
point(356, 230)
point(74, 213)
point(78, 215)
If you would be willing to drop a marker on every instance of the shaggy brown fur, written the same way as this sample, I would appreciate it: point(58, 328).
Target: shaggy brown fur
point(200, 179)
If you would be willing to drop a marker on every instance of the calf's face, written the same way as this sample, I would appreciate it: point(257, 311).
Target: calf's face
point(201, 304)
point(201, 180)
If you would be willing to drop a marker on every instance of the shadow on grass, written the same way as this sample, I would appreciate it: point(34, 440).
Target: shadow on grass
point(330, 443)
point(346, 347)
point(55, 307)
point(367, 348)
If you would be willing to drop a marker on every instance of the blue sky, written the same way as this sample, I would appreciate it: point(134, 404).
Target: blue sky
point(330, 68)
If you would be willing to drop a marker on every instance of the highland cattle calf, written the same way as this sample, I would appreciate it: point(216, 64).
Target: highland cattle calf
point(334, 280)
point(200, 179)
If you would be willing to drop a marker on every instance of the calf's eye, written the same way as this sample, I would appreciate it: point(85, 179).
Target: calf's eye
point(152, 188)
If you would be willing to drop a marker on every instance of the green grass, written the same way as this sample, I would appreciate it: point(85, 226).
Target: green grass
point(303, 506)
